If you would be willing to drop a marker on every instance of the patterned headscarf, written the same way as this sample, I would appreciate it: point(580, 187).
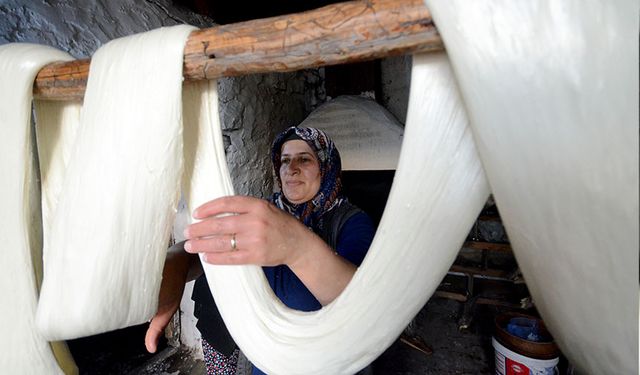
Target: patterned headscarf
point(330, 193)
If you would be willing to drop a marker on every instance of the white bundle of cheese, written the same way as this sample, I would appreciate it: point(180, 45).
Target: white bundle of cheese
point(552, 92)
point(23, 350)
point(439, 176)
point(104, 254)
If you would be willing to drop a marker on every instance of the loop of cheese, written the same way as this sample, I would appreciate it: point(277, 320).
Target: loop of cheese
point(107, 241)
point(438, 191)
point(552, 92)
point(24, 350)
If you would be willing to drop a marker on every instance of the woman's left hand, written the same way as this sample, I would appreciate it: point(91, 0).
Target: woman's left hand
point(262, 234)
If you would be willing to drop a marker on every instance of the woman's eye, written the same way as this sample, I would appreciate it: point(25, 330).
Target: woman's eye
point(284, 161)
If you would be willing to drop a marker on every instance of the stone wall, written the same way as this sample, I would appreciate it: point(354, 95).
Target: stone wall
point(395, 82)
point(253, 110)
point(80, 27)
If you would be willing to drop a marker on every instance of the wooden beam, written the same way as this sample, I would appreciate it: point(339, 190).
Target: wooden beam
point(472, 271)
point(491, 246)
point(335, 34)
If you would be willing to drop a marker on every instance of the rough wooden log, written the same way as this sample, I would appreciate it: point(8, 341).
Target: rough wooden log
point(335, 34)
point(479, 245)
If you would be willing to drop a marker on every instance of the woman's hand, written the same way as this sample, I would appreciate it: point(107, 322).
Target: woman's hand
point(174, 275)
point(264, 235)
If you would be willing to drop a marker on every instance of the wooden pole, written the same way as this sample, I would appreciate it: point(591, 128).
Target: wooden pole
point(335, 34)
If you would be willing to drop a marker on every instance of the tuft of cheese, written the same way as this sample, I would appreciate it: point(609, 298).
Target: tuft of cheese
point(552, 92)
point(24, 350)
point(438, 176)
point(109, 233)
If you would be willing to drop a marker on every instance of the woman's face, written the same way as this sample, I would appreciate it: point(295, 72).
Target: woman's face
point(299, 171)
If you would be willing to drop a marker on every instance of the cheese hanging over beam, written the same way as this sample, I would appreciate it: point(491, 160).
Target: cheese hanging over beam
point(552, 92)
point(23, 350)
point(105, 251)
point(439, 175)
point(596, 201)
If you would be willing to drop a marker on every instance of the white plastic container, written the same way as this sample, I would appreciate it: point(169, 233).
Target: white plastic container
point(509, 362)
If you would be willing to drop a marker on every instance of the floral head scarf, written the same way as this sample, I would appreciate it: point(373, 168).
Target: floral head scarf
point(330, 193)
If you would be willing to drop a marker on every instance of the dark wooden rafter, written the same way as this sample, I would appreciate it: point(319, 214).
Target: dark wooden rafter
point(335, 34)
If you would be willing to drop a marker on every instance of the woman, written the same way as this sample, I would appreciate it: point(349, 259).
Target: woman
point(307, 166)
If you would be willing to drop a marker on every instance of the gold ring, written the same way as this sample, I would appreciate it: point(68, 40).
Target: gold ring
point(234, 243)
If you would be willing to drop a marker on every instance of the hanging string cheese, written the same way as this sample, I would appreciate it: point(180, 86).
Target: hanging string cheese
point(57, 124)
point(23, 349)
point(110, 231)
point(552, 92)
point(284, 341)
point(439, 178)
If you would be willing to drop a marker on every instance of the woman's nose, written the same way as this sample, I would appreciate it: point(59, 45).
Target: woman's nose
point(293, 167)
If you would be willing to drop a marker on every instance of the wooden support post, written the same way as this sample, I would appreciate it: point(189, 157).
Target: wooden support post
point(335, 34)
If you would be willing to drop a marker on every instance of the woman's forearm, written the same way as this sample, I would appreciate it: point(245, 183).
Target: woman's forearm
point(325, 273)
point(186, 265)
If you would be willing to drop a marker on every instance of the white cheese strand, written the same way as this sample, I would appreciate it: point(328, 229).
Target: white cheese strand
point(57, 124)
point(24, 350)
point(552, 91)
point(103, 260)
point(438, 191)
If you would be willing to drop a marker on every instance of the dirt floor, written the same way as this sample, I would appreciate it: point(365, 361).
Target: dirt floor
point(454, 351)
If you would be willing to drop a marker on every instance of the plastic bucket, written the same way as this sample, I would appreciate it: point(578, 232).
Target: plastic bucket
point(509, 362)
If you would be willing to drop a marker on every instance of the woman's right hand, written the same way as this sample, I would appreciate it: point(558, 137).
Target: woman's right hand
point(257, 232)
point(174, 277)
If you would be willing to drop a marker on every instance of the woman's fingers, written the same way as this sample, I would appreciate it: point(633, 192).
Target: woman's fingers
point(158, 323)
point(152, 337)
point(224, 205)
point(225, 215)
point(230, 258)
point(213, 244)
point(244, 230)
point(219, 250)
point(213, 226)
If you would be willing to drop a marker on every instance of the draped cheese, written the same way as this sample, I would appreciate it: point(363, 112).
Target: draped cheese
point(105, 249)
point(439, 180)
point(24, 350)
point(552, 92)
point(555, 120)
